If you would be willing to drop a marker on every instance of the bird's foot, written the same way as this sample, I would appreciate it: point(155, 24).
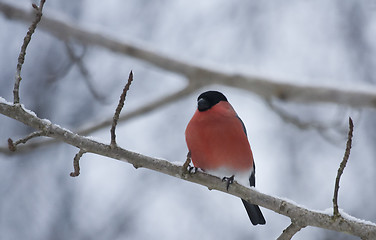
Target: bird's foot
point(187, 168)
point(229, 180)
point(192, 169)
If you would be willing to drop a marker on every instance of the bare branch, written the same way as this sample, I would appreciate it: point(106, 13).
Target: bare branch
point(264, 87)
point(21, 57)
point(342, 167)
point(290, 231)
point(13, 145)
point(306, 217)
point(76, 163)
point(104, 124)
point(118, 109)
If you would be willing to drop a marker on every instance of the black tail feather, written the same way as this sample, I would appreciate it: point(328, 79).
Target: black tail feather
point(254, 213)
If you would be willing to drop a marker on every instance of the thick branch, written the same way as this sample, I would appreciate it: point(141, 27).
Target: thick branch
point(266, 88)
point(298, 214)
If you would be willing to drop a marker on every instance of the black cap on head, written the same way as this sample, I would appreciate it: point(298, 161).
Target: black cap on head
point(208, 99)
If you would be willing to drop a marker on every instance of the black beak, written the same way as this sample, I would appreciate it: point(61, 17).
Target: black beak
point(203, 105)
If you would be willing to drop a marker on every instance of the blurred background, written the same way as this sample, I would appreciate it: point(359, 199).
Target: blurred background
point(297, 146)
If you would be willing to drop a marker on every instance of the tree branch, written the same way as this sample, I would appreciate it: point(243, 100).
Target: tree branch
point(107, 122)
point(303, 216)
point(21, 56)
point(76, 163)
point(13, 145)
point(118, 109)
point(290, 231)
point(342, 167)
point(264, 87)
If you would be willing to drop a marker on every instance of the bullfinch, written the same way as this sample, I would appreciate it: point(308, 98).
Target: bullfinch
point(217, 141)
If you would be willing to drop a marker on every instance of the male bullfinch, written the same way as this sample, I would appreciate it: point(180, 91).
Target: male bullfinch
point(217, 141)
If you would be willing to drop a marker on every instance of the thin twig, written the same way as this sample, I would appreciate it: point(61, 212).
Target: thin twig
point(342, 167)
point(21, 57)
point(76, 163)
point(118, 109)
point(13, 145)
point(290, 231)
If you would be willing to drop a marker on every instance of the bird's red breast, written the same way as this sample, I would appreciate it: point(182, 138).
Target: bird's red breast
point(216, 139)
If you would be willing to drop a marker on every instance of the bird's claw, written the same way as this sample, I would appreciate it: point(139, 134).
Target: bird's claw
point(191, 169)
point(187, 168)
point(229, 180)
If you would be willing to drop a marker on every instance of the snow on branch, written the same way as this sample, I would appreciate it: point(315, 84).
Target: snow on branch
point(76, 159)
point(107, 122)
point(201, 75)
point(299, 215)
point(290, 231)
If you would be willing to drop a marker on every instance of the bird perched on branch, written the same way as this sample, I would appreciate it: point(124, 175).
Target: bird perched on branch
point(217, 141)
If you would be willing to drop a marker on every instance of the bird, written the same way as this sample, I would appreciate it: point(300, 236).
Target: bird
point(217, 143)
